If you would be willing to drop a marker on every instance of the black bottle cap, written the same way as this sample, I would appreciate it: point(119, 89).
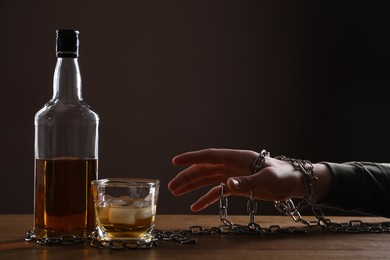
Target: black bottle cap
point(67, 43)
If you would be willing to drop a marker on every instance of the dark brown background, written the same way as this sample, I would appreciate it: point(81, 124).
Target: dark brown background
point(302, 78)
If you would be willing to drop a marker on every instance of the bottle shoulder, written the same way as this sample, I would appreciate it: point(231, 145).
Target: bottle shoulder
point(63, 112)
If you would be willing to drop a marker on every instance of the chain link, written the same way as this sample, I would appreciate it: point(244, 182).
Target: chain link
point(223, 205)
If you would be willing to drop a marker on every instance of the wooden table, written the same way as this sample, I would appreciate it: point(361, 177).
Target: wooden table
point(316, 244)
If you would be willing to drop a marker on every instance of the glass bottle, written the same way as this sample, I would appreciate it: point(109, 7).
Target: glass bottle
point(66, 150)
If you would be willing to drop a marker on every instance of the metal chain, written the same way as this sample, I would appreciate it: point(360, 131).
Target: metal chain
point(66, 239)
point(252, 227)
point(122, 244)
point(185, 236)
point(252, 204)
point(286, 207)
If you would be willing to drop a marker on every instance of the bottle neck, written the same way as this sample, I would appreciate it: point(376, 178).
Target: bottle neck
point(67, 80)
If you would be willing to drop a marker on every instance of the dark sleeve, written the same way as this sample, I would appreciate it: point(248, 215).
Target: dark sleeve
point(360, 186)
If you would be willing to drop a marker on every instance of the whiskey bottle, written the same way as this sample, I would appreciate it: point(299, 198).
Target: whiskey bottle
point(66, 151)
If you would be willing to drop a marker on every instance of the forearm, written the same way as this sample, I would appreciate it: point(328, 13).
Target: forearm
point(357, 186)
point(324, 175)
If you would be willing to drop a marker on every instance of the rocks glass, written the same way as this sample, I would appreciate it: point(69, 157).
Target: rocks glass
point(125, 209)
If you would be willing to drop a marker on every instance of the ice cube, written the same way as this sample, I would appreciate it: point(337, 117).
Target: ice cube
point(121, 215)
point(104, 203)
point(145, 212)
point(137, 203)
point(121, 201)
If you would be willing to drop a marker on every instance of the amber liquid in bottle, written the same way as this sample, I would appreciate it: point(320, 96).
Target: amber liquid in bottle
point(63, 196)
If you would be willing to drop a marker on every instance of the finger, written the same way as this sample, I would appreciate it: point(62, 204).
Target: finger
point(197, 184)
point(206, 200)
point(201, 175)
point(238, 158)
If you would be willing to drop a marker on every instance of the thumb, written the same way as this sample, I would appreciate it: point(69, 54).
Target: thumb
point(268, 185)
point(241, 183)
point(265, 180)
